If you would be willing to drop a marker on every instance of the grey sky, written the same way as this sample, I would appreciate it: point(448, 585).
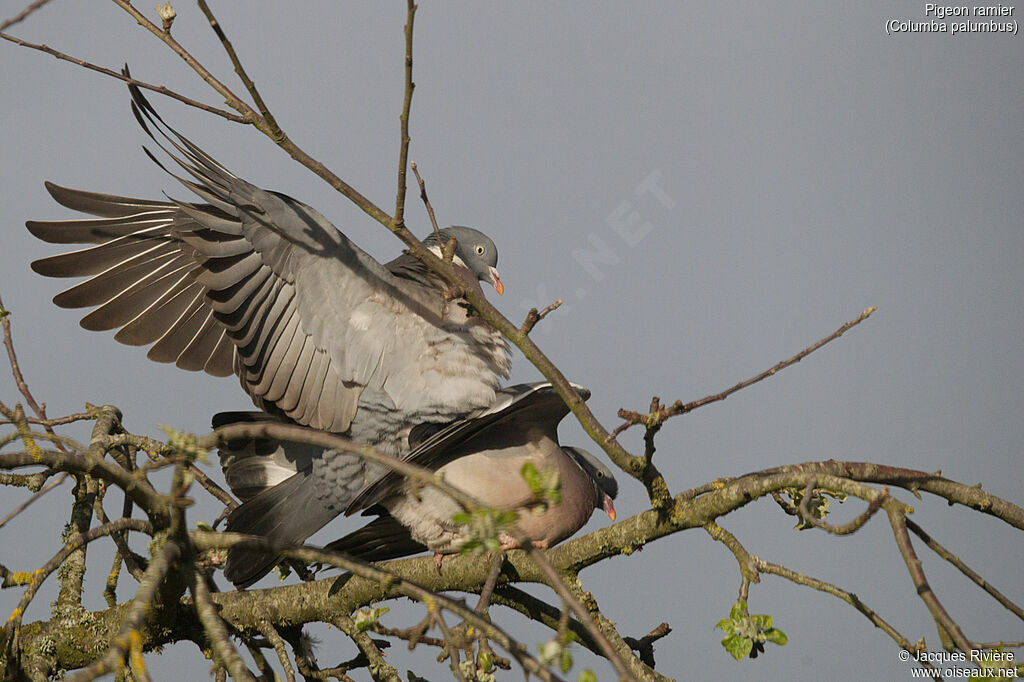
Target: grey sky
point(710, 187)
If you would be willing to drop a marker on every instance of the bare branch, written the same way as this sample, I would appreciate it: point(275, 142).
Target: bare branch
point(9, 636)
point(232, 100)
point(897, 519)
point(492, 580)
point(35, 496)
point(381, 670)
point(628, 666)
point(433, 219)
point(403, 149)
point(394, 582)
point(965, 569)
point(163, 90)
point(239, 69)
point(853, 526)
point(849, 597)
point(274, 132)
point(533, 317)
point(268, 630)
point(450, 646)
point(216, 631)
point(746, 561)
point(645, 645)
point(128, 641)
point(21, 16)
point(678, 408)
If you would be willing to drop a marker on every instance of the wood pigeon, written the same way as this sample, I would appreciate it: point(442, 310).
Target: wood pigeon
point(255, 283)
point(483, 454)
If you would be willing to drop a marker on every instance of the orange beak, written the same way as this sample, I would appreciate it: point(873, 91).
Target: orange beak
point(609, 507)
point(496, 281)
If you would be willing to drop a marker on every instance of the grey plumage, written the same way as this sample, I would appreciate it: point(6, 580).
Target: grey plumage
point(482, 454)
point(257, 284)
point(385, 538)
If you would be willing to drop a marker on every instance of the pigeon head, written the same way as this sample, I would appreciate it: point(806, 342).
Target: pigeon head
point(475, 250)
point(605, 485)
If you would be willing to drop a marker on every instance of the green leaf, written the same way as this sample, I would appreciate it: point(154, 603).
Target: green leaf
point(545, 485)
point(367, 618)
point(727, 625)
point(483, 528)
point(566, 661)
point(506, 518)
point(531, 475)
point(748, 631)
point(587, 676)
point(737, 646)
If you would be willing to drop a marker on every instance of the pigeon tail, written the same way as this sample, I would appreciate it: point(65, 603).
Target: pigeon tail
point(286, 514)
point(382, 539)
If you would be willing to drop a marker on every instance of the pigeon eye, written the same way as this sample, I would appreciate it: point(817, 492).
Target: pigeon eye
point(480, 250)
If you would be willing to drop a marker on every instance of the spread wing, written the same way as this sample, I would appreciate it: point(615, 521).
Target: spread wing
point(259, 284)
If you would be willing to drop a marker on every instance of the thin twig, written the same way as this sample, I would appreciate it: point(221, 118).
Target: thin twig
point(542, 612)
point(430, 210)
point(21, 16)
point(133, 561)
point(623, 656)
point(804, 512)
point(848, 597)
point(403, 149)
point(163, 90)
point(492, 579)
point(231, 98)
point(747, 564)
point(533, 317)
point(965, 569)
point(237, 63)
point(19, 379)
point(678, 408)
point(57, 421)
point(35, 496)
point(450, 646)
point(275, 133)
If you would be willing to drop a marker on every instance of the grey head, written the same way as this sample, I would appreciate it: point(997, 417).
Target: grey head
point(605, 485)
point(475, 249)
